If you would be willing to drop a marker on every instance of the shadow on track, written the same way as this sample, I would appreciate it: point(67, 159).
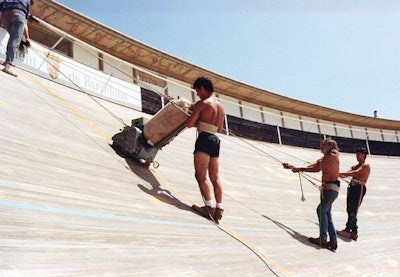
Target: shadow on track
point(156, 190)
point(294, 234)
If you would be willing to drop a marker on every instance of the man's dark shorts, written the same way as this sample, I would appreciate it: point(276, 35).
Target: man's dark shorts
point(207, 143)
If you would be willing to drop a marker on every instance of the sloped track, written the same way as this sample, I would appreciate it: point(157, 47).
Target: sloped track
point(69, 205)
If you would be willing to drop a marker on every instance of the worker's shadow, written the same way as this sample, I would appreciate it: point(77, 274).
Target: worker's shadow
point(145, 174)
point(294, 234)
point(154, 188)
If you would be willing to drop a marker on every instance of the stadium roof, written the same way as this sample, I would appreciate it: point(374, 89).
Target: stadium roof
point(135, 52)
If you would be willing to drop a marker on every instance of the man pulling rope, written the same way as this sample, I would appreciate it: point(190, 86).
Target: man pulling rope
point(329, 165)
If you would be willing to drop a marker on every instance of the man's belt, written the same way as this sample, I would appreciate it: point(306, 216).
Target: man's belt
point(355, 182)
point(331, 185)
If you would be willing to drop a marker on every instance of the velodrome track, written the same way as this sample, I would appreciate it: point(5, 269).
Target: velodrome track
point(69, 205)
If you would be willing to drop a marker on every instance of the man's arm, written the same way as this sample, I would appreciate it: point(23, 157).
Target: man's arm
point(311, 168)
point(363, 170)
point(221, 118)
point(191, 121)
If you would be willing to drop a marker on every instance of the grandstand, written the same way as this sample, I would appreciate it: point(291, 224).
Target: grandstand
point(159, 75)
point(69, 205)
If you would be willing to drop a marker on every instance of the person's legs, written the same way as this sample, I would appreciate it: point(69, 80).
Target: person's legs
point(321, 239)
point(213, 172)
point(324, 213)
point(14, 24)
point(332, 244)
point(349, 209)
point(355, 196)
point(363, 191)
point(206, 161)
point(352, 201)
point(322, 220)
point(331, 227)
point(201, 164)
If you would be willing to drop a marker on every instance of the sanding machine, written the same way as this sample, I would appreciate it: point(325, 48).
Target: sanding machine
point(142, 140)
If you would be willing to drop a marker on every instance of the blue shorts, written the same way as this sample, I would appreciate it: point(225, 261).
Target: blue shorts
point(207, 143)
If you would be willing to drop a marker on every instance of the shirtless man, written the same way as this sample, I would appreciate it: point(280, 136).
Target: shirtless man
point(208, 118)
point(355, 192)
point(329, 165)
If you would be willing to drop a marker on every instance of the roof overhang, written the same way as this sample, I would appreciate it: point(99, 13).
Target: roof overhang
point(135, 52)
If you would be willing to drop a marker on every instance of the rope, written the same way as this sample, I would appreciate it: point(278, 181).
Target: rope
point(253, 146)
point(45, 57)
point(231, 234)
point(301, 187)
point(80, 44)
point(306, 176)
point(224, 228)
point(85, 46)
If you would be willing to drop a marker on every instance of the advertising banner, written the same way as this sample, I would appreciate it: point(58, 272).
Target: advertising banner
point(64, 70)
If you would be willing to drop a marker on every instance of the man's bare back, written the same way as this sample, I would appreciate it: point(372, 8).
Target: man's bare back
point(208, 110)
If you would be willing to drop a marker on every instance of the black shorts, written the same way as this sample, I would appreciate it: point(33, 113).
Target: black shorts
point(207, 143)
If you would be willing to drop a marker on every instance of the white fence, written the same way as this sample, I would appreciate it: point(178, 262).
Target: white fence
point(120, 82)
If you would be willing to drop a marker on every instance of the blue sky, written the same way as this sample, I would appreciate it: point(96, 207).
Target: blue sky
point(341, 54)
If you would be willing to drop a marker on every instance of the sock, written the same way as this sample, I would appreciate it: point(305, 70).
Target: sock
point(210, 203)
point(220, 206)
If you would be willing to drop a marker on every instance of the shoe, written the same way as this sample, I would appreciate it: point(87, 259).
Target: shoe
point(8, 70)
point(332, 246)
point(318, 241)
point(344, 233)
point(353, 236)
point(205, 211)
point(218, 214)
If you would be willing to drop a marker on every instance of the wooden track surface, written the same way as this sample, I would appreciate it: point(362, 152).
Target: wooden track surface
point(69, 205)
